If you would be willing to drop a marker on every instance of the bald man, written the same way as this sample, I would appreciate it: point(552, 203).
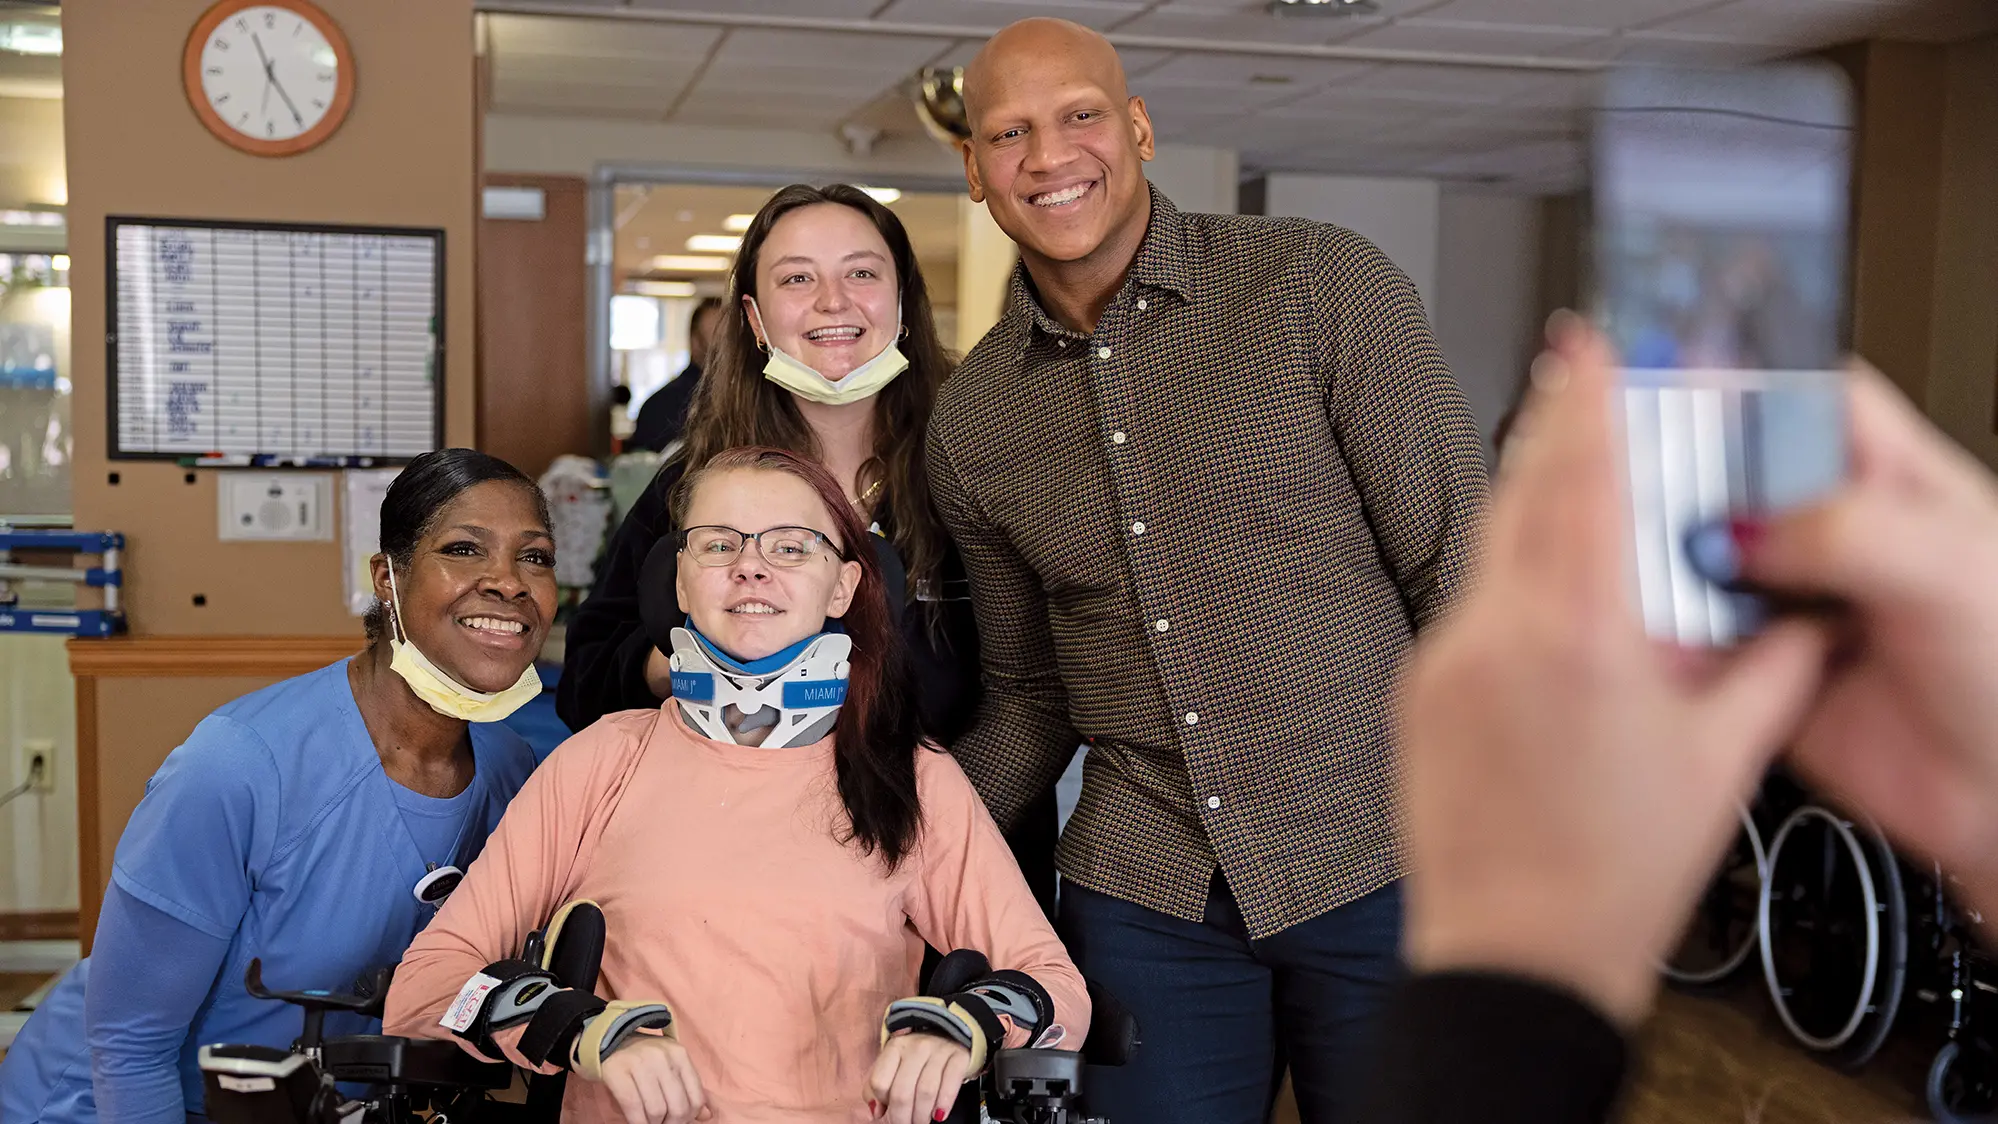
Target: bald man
point(1209, 476)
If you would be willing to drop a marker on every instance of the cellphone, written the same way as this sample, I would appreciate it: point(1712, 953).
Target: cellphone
point(1721, 204)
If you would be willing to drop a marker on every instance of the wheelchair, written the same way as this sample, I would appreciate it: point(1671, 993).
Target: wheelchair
point(1853, 942)
point(384, 1079)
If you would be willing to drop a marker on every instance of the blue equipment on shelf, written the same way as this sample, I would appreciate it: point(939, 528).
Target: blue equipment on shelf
point(106, 621)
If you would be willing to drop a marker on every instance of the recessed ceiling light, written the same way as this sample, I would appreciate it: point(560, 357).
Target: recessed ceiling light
point(736, 224)
point(883, 195)
point(715, 243)
point(31, 38)
point(688, 263)
point(662, 288)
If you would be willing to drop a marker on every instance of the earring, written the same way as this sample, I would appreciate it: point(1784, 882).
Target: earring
point(903, 334)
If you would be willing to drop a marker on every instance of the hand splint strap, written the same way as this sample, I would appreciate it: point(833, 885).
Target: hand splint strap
point(611, 1027)
point(511, 992)
point(963, 1018)
point(971, 1017)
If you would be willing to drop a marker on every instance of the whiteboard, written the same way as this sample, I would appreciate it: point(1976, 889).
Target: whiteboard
point(274, 339)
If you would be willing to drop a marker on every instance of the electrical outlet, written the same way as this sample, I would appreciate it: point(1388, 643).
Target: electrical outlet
point(26, 754)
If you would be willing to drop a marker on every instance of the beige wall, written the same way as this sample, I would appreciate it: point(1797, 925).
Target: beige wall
point(37, 831)
point(404, 157)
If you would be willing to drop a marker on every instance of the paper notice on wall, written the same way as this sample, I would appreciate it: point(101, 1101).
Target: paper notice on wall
point(361, 532)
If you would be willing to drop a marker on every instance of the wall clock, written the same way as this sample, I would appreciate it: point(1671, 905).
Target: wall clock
point(270, 77)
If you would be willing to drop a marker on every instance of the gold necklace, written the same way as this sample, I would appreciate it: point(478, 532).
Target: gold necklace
point(867, 497)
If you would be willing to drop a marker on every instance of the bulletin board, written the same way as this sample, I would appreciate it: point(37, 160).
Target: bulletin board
point(274, 339)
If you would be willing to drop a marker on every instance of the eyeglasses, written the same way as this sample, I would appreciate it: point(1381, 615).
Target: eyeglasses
point(780, 546)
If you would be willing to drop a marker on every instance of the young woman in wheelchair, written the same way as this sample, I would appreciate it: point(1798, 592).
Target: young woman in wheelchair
point(770, 849)
point(314, 824)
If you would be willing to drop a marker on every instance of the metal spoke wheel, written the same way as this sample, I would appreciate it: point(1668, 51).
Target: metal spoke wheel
point(1963, 1084)
point(1723, 930)
point(1834, 934)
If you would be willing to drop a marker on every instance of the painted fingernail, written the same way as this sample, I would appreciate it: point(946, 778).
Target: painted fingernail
point(941, 1113)
point(873, 1108)
point(1747, 533)
point(1711, 548)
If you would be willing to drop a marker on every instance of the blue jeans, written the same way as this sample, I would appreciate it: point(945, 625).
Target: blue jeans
point(1221, 1015)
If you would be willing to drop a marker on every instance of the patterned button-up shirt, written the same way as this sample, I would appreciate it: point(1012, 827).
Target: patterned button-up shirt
point(1201, 538)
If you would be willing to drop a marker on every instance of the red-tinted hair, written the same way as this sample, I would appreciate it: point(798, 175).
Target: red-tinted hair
point(877, 733)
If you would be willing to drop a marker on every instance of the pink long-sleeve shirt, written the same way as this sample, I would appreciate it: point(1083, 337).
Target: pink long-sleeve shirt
point(728, 896)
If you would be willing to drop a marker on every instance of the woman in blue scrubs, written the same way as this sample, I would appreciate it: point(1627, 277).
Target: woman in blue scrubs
point(316, 823)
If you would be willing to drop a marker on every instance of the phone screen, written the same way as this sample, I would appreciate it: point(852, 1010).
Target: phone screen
point(1720, 253)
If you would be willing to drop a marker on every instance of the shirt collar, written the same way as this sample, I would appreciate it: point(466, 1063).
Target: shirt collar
point(1161, 264)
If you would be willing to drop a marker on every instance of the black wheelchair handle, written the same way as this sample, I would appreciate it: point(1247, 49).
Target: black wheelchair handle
point(368, 1002)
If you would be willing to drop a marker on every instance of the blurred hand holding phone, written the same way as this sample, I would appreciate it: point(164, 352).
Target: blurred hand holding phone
point(1721, 202)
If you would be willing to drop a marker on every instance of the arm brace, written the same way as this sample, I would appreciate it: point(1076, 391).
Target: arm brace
point(971, 1017)
point(573, 1027)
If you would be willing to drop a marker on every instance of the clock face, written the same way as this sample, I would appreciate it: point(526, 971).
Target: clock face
point(276, 76)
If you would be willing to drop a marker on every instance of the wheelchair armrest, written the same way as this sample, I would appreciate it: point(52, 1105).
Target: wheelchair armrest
point(379, 1059)
point(1113, 1030)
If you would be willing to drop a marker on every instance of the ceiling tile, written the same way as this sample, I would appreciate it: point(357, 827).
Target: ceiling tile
point(1599, 15)
point(1165, 103)
point(766, 111)
point(580, 98)
point(824, 9)
point(800, 81)
point(1189, 69)
point(1666, 47)
point(895, 55)
point(1456, 85)
point(589, 37)
point(999, 13)
point(1422, 34)
point(1241, 23)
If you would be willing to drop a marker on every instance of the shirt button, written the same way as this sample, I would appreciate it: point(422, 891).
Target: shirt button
point(1118, 438)
point(1162, 624)
point(1141, 304)
point(1138, 528)
point(1103, 353)
point(1192, 716)
point(1213, 802)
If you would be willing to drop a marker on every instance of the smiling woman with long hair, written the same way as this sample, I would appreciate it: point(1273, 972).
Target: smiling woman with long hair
point(826, 348)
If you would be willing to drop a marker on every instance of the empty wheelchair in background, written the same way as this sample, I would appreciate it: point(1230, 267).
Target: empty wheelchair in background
point(1852, 943)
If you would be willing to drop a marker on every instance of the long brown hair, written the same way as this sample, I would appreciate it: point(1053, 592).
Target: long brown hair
point(877, 734)
point(734, 405)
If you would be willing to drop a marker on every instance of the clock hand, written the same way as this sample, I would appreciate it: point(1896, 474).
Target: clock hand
point(270, 77)
point(287, 102)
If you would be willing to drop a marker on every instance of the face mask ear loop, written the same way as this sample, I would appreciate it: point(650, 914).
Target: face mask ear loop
point(395, 607)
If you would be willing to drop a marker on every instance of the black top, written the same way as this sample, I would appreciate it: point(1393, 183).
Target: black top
point(663, 417)
point(603, 665)
point(1478, 1048)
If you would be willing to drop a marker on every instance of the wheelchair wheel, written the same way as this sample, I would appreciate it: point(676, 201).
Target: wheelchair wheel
point(1963, 1084)
point(1723, 930)
point(1834, 935)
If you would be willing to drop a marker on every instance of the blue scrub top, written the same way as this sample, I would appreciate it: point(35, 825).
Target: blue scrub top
point(272, 827)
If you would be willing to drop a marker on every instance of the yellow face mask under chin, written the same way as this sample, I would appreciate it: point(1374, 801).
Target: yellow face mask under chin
point(806, 382)
point(446, 695)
